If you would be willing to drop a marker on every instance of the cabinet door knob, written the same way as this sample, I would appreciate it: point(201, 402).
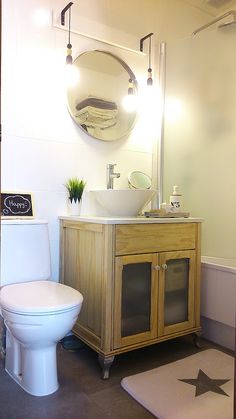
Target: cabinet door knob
point(164, 266)
point(156, 267)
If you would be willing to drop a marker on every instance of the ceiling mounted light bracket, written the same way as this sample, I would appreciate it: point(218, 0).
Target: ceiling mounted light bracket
point(69, 59)
point(149, 78)
point(63, 12)
point(143, 39)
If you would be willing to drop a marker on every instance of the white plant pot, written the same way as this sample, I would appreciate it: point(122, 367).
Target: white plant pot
point(74, 208)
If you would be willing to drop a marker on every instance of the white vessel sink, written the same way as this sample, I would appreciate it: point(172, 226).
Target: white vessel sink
point(123, 202)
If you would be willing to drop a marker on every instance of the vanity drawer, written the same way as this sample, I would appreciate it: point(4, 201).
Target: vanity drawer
point(150, 238)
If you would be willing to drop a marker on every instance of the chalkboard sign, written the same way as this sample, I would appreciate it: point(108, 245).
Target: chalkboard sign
point(16, 205)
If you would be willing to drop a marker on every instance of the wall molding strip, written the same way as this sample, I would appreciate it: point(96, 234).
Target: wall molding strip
point(64, 28)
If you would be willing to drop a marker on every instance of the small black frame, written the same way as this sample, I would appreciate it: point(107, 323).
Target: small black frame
point(16, 205)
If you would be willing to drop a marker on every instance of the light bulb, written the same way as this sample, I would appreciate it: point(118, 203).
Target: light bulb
point(72, 75)
point(129, 103)
point(42, 17)
point(174, 109)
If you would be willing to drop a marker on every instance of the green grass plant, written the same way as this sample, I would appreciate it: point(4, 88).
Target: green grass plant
point(75, 188)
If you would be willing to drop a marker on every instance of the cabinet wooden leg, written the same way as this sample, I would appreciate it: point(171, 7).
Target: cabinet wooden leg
point(105, 363)
point(196, 340)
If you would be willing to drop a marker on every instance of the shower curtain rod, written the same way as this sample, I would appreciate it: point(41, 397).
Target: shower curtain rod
point(231, 12)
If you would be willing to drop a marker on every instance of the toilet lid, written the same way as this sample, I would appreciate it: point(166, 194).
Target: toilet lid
point(39, 297)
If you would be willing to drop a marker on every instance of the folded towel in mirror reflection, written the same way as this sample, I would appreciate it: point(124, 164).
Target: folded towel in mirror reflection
point(96, 102)
point(96, 113)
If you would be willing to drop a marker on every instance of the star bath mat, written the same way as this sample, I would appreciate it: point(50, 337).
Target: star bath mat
point(197, 387)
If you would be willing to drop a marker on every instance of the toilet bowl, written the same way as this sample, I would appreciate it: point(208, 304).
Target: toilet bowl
point(37, 314)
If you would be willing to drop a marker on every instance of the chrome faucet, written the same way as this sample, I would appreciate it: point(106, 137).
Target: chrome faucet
point(111, 175)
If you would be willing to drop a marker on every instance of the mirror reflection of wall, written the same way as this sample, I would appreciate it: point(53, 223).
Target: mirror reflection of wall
point(96, 101)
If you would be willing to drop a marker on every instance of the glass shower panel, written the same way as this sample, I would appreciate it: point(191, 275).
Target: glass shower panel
point(176, 291)
point(136, 298)
point(200, 132)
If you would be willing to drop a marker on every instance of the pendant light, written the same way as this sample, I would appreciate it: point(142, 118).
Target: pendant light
point(130, 87)
point(69, 58)
point(129, 102)
point(149, 77)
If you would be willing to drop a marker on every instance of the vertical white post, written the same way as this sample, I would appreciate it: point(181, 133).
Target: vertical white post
point(160, 160)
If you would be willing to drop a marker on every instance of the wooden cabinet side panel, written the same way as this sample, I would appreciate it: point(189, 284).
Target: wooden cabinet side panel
point(108, 290)
point(82, 269)
point(61, 254)
point(69, 245)
point(90, 271)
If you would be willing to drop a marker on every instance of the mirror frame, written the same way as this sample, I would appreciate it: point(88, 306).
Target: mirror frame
point(131, 75)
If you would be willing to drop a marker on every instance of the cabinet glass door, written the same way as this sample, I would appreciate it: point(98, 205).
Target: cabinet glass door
point(176, 308)
point(135, 288)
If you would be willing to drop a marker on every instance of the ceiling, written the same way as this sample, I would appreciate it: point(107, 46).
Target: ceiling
point(213, 7)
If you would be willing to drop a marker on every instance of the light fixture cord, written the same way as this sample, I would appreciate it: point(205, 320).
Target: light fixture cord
point(149, 53)
point(69, 25)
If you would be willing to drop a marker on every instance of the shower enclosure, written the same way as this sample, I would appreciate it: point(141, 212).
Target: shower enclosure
point(199, 132)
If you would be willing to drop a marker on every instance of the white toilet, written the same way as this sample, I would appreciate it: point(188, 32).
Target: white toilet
point(37, 312)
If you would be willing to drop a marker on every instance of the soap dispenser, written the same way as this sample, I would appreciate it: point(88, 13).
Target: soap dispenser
point(176, 199)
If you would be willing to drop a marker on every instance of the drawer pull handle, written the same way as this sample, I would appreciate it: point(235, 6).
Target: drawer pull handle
point(156, 267)
point(164, 266)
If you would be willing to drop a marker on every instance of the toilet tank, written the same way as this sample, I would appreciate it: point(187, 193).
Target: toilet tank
point(25, 252)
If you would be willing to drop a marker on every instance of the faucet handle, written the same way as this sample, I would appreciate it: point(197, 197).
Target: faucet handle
point(111, 165)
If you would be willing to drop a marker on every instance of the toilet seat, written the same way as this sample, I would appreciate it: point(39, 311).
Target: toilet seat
point(39, 298)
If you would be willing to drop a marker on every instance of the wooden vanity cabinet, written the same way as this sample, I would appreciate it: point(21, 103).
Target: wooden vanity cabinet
point(140, 283)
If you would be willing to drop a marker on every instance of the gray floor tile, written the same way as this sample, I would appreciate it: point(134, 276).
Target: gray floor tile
point(82, 393)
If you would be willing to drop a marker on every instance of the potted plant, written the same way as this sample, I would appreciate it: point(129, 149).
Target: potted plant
point(75, 188)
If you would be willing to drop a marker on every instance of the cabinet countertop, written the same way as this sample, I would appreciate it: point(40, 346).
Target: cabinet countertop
point(129, 220)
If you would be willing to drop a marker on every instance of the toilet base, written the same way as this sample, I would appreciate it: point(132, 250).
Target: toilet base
point(35, 370)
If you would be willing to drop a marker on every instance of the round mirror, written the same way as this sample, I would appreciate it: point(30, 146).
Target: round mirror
point(139, 180)
point(97, 101)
